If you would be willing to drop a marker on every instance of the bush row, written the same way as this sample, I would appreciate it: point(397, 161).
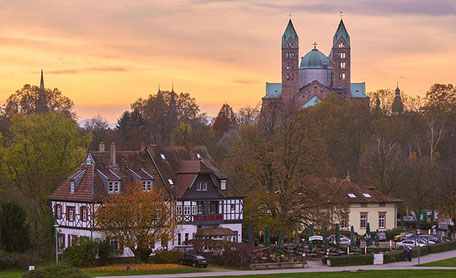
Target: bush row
point(391, 257)
point(351, 260)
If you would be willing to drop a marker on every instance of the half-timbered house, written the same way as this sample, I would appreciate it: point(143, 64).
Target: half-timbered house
point(207, 203)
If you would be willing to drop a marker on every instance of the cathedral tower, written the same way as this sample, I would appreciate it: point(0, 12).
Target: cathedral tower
point(340, 62)
point(290, 69)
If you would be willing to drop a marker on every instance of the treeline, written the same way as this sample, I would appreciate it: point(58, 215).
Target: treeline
point(410, 156)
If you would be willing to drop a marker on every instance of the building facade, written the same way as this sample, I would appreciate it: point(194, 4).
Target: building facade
point(206, 202)
point(307, 83)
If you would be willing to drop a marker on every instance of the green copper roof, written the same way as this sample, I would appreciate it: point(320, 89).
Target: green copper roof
point(290, 33)
point(312, 102)
point(341, 33)
point(314, 59)
point(273, 90)
point(358, 90)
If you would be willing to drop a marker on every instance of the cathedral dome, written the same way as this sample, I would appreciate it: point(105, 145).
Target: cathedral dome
point(314, 59)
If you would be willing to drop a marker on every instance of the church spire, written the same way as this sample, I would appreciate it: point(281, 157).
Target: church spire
point(341, 32)
point(398, 106)
point(42, 81)
point(290, 32)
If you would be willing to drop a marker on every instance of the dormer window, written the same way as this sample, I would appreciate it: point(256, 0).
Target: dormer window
point(162, 156)
point(147, 184)
point(72, 186)
point(223, 185)
point(198, 155)
point(170, 181)
point(201, 186)
point(113, 187)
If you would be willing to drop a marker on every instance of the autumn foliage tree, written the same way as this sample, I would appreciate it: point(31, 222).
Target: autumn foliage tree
point(138, 218)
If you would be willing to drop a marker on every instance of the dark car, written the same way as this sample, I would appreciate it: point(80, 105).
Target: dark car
point(193, 260)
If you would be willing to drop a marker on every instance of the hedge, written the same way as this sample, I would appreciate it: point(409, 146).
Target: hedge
point(391, 257)
point(8, 260)
point(55, 271)
point(351, 260)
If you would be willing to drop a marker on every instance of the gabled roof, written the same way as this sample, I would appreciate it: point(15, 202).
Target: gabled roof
point(360, 193)
point(341, 33)
point(290, 32)
point(174, 173)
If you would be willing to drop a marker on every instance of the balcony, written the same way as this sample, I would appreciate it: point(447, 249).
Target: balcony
point(208, 219)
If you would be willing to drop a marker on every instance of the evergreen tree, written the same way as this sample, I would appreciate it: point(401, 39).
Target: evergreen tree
point(14, 231)
point(225, 120)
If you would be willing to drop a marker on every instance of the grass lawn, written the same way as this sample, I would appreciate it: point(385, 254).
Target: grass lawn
point(16, 273)
point(447, 262)
point(425, 273)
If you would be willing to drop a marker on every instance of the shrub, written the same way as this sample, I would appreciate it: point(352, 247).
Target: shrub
point(104, 252)
point(8, 260)
point(226, 253)
point(166, 257)
point(83, 252)
point(55, 271)
point(391, 257)
point(442, 246)
point(351, 260)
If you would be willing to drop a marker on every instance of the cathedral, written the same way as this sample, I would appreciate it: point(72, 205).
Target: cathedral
point(307, 84)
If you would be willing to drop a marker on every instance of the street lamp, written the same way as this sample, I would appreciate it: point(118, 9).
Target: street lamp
point(56, 244)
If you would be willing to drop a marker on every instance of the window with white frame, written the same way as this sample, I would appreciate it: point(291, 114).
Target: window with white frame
point(179, 239)
point(70, 211)
point(344, 222)
point(381, 220)
point(194, 210)
point(114, 244)
point(179, 210)
point(363, 220)
point(186, 239)
point(113, 187)
point(198, 186)
point(204, 186)
point(72, 186)
point(84, 213)
point(200, 205)
point(147, 185)
point(186, 210)
point(223, 184)
point(341, 44)
point(58, 211)
point(233, 208)
point(342, 65)
point(342, 55)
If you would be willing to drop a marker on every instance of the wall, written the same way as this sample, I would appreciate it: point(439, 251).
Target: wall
point(372, 211)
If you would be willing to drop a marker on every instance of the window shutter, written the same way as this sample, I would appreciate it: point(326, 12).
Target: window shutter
point(81, 210)
point(68, 215)
point(69, 240)
point(121, 247)
point(63, 241)
point(60, 211)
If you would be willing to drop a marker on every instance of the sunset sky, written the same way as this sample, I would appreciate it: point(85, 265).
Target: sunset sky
point(105, 54)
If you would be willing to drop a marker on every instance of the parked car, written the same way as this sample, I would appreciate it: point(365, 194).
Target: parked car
point(381, 236)
point(430, 238)
point(344, 241)
point(425, 241)
point(410, 243)
point(193, 260)
point(399, 236)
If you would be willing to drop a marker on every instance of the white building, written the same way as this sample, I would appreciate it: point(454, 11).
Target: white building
point(207, 203)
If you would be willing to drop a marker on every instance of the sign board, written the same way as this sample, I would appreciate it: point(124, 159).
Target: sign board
point(312, 238)
point(378, 258)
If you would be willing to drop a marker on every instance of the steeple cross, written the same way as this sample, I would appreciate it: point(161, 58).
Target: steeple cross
point(290, 15)
point(341, 15)
point(315, 45)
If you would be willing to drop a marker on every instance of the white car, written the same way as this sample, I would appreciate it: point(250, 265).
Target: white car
point(410, 243)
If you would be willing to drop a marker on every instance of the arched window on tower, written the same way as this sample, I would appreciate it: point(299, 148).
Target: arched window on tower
point(341, 44)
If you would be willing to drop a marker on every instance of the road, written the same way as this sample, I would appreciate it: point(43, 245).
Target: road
point(315, 267)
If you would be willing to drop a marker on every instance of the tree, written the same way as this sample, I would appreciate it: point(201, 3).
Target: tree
point(274, 173)
point(100, 131)
point(131, 130)
point(42, 151)
point(182, 135)
point(225, 120)
point(14, 231)
point(248, 115)
point(137, 219)
point(31, 100)
point(441, 97)
point(163, 112)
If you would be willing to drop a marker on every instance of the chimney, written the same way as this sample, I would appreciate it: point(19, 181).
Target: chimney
point(101, 147)
point(143, 146)
point(348, 178)
point(113, 154)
